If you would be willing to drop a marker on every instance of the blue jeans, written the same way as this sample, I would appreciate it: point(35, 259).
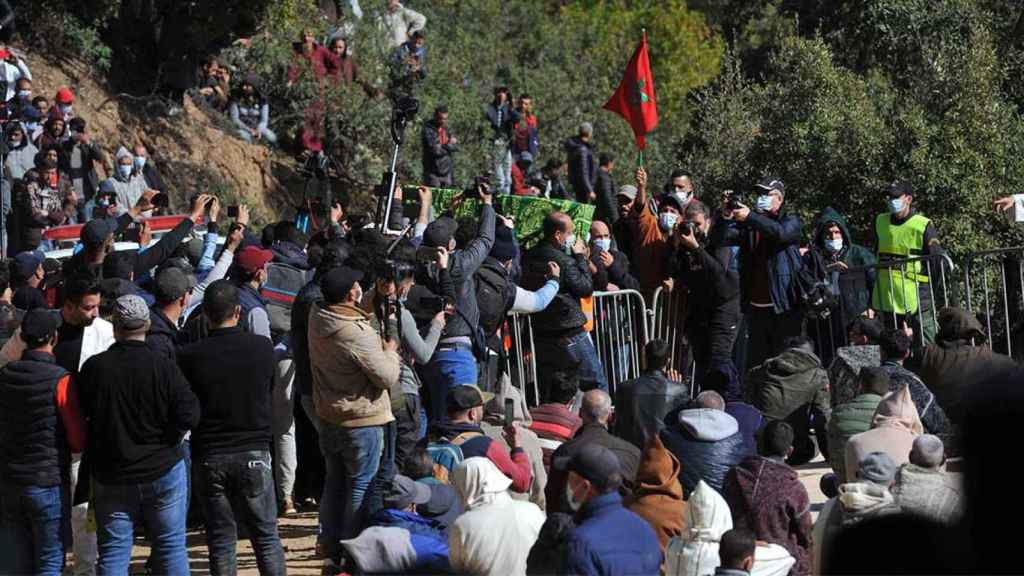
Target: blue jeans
point(34, 523)
point(353, 459)
point(161, 505)
point(385, 473)
point(447, 369)
point(247, 479)
point(559, 353)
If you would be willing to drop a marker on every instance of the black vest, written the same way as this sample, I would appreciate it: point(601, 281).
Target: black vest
point(33, 448)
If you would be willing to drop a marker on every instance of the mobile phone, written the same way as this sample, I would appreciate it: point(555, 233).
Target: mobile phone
point(232, 211)
point(510, 412)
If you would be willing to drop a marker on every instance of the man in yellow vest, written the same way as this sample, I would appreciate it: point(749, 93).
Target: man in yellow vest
point(903, 293)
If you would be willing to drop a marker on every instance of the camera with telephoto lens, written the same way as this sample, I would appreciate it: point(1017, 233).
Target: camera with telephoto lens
point(735, 200)
point(481, 184)
point(687, 228)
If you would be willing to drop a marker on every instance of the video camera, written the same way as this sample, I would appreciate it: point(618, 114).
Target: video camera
point(481, 183)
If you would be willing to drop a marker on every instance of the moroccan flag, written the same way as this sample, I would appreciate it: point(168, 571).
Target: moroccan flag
point(634, 100)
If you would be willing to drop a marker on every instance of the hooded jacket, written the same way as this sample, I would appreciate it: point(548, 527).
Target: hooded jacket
point(706, 442)
point(495, 534)
point(788, 382)
point(695, 551)
point(162, 337)
point(129, 189)
point(20, 158)
point(351, 371)
point(857, 502)
point(933, 494)
point(854, 286)
point(582, 168)
point(893, 429)
point(658, 497)
point(287, 253)
point(933, 417)
point(768, 498)
point(952, 364)
point(848, 420)
point(428, 539)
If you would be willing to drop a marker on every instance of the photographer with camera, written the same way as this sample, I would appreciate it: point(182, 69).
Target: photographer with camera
point(769, 241)
point(846, 294)
point(462, 344)
point(703, 264)
point(438, 147)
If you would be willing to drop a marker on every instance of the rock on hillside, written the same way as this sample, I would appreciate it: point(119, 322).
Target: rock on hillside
point(190, 148)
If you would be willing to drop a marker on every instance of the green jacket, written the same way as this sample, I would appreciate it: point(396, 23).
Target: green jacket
point(847, 420)
point(855, 286)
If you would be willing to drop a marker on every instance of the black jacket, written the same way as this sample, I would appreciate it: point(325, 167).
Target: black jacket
point(437, 157)
point(152, 176)
point(618, 273)
point(607, 210)
point(709, 275)
point(138, 406)
point(33, 449)
point(782, 235)
point(629, 459)
point(232, 374)
point(582, 168)
point(706, 450)
point(162, 337)
point(308, 297)
point(564, 315)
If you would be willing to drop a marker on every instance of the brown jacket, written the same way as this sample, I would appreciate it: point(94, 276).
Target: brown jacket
point(893, 430)
point(351, 371)
point(658, 498)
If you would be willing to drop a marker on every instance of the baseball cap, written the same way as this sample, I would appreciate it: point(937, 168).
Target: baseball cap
point(65, 96)
point(26, 264)
point(170, 284)
point(627, 190)
point(877, 468)
point(465, 397)
point(440, 232)
point(339, 282)
point(504, 248)
point(130, 312)
point(404, 491)
point(253, 258)
point(770, 184)
point(593, 462)
point(40, 324)
point(95, 232)
point(899, 188)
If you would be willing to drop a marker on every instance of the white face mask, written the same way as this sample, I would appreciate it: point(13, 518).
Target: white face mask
point(603, 243)
point(65, 109)
point(569, 241)
point(834, 245)
point(667, 221)
point(125, 170)
point(140, 162)
point(896, 205)
point(683, 197)
point(764, 203)
point(571, 500)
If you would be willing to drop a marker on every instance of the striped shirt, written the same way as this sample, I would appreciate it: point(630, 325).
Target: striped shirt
point(553, 424)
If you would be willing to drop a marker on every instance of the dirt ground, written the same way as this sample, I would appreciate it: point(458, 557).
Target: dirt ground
point(298, 536)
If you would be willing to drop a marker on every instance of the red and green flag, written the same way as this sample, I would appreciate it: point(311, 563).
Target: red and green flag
point(634, 100)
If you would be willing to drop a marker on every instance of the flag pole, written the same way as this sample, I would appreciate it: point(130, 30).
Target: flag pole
point(640, 152)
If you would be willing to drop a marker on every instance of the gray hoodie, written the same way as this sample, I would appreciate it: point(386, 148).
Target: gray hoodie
point(130, 189)
point(21, 158)
point(707, 443)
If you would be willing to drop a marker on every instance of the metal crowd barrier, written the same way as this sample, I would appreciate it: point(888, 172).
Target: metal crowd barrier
point(619, 334)
point(995, 278)
point(521, 361)
point(668, 323)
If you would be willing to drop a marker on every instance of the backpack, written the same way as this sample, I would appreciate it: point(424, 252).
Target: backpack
point(447, 454)
point(492, 295)
point(282, 286)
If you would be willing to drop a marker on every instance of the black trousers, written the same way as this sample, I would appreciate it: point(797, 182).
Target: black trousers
point(768, 331)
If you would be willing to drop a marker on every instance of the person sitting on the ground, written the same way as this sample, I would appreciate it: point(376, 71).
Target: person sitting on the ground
point(608, 539)
point(864, 498)
point(642, 404)
point(462, 429)
point(736, 553)
point(493, 426)
point(428, 537)
point(923, 488)
point(893, 429)
point(444, 505)
point(553, 421)
point(595, 412)
point(495, 534)
point(855, 416)
point(658, 497)
point(794, 387)
point(861, 350)
point(766, 495)
point(896, 346)
point(250, 113)
point(705, 439)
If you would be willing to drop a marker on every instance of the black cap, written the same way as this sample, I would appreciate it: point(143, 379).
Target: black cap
point(170, 284)
point(770, 184)
point(39, 325)
point(670, 199)
point(593, 462)
point(337, 283)
point(26, 264)
point(899, 188)
point(95, 232)
point(504, 248)
point(465, 397)
point(440, 232)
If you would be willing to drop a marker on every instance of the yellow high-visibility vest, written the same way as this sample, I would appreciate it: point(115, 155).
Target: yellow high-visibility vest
point(896, 289)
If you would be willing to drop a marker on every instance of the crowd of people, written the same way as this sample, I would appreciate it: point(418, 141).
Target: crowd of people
point(225, 383)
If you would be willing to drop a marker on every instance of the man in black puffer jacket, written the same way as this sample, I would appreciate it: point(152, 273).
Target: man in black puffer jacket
point(705, 439)
point(560, 339)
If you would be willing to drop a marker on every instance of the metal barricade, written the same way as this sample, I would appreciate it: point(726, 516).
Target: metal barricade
point(619, 334)
point(668, 323)
point(521, 361)
point(995, 278)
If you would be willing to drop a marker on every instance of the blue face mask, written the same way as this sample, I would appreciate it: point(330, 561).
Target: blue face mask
point(603, 243)
point(896, 205)
point(140, 162)
point(25, 94)
point(834, 245)
point(65, 109)
point(667, 221)
point(764, 203)
point(568, 243)
point(30, 127)
point(124, 170)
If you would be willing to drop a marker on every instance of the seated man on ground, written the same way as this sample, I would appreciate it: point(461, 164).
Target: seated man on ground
point(428, 537)
point(861, 351)
point(853, 417)
point(554, 422)
point(893, 429)
point(896, 346)
point(642, 404)
point(705, 439)
point(924, 488)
